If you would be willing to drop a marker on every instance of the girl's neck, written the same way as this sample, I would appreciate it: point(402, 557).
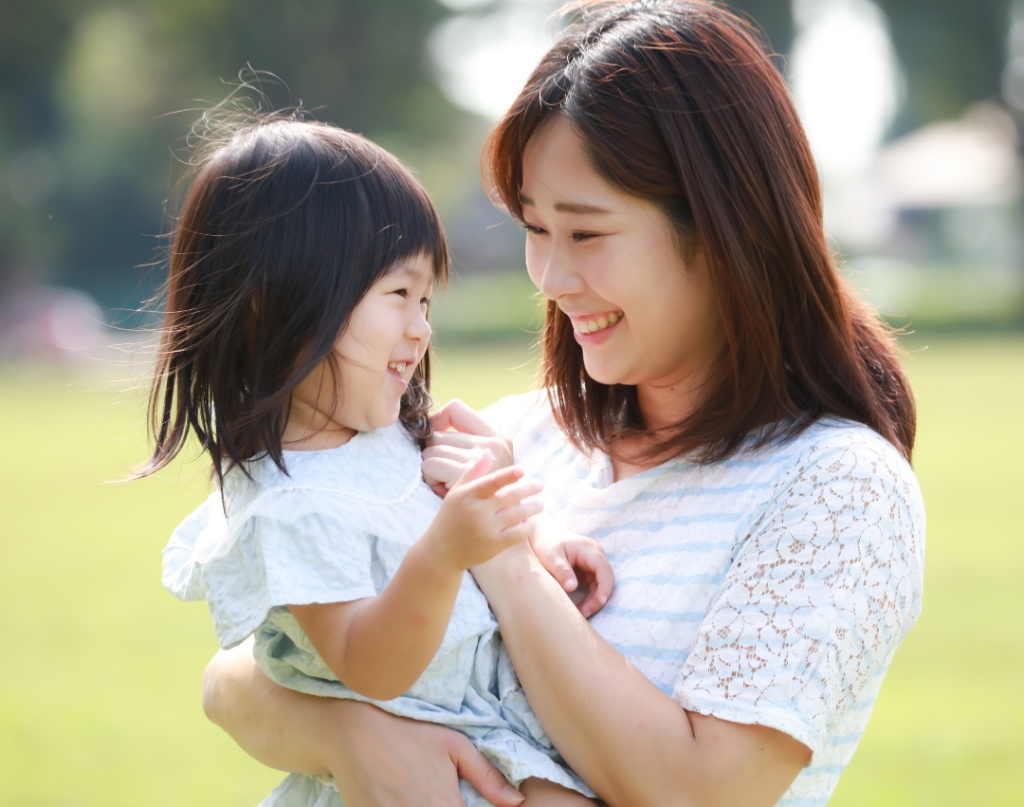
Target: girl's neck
point(309, 429)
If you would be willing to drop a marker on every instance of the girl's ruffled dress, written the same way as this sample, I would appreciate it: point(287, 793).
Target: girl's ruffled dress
point(335, 529)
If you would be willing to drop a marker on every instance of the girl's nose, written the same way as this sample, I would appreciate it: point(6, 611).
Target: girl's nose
point(418, 327)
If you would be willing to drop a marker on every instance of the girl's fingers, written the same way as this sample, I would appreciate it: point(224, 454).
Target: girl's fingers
point(471, 442)
point(437, 471)
point(462, 455)
point(517, 533)
point(516, 492)
point(518, 512)
point(456, 415)
point(476, 470)
point(487, 486)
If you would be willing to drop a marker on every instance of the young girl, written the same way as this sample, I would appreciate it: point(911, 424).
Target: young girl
point(295, 349)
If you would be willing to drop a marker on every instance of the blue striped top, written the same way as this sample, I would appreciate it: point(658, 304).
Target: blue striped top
point(772, 588)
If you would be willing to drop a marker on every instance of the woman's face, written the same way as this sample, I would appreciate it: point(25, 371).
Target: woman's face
point(642, 314)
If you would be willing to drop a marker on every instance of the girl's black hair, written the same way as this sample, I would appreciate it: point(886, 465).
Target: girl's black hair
point(285, 228)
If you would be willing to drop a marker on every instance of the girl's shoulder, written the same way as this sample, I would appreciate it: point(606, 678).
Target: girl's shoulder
point(371, 484)
point(377, 467)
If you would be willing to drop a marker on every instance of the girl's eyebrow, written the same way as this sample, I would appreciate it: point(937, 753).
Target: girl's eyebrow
point(408, 269)
point(567, 207)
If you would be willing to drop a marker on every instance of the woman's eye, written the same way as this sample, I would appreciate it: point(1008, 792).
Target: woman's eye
point(583, 236)
point(401, 292)
point(532, 229)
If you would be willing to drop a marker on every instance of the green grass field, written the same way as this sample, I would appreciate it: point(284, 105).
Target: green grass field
point(100, 672)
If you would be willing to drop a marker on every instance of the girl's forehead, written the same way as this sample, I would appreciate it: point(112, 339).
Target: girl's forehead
point(414, 267)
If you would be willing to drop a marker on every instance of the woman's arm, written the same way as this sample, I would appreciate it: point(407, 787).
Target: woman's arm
point(377, 759)
point(631, 742)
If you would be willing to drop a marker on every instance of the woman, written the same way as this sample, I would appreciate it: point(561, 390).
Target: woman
point(720, 412)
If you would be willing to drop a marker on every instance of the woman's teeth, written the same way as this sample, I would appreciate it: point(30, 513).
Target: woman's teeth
point(599, 324)
point(398, 365)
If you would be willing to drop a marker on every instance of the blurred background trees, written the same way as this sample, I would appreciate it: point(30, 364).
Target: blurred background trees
point(86, 141)
point(87, 88)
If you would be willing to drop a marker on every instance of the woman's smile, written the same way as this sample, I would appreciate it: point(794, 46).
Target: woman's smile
point(591, 330)
point(641, 306)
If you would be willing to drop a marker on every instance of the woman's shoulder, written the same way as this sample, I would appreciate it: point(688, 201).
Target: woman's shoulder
point(838, 471)
point(833, 446)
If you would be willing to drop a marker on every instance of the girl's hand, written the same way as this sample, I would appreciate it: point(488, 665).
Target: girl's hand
point(482, 515)
point(570, 558)
point(460, 434)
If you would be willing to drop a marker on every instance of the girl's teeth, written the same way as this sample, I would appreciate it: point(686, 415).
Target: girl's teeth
point(398, 365)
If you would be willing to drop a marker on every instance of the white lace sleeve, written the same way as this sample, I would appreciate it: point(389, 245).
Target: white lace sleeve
point(821, 593)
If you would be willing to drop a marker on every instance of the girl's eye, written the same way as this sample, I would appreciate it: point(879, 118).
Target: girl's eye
point(401, 292)
point(577, 237)
point(532, 229)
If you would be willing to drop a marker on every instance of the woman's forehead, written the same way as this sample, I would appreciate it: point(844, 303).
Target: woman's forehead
point(558, 173)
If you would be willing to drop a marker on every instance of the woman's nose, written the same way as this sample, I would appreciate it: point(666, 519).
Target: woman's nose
point(554, 273)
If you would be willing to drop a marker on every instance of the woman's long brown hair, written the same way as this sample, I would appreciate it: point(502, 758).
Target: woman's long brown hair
point(285, 228)
point(678, 103)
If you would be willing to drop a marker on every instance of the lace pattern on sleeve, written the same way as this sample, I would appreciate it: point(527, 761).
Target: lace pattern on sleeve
point(822, 590)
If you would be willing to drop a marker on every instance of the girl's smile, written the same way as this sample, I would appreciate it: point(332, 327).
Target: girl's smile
point(384, 341)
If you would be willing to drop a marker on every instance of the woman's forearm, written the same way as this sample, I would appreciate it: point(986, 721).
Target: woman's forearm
point(377, 759)
point(279, 727)
point(626, 738)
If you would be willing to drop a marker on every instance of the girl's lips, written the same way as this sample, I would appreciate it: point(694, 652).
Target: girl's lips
point(597, 337)
point(398, 377)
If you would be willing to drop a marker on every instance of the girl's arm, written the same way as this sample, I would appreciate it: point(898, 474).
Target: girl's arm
point(377, 759)
point(632, 743)
point(379, 646)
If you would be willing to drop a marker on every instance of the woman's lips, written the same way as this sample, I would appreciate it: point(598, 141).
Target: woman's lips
point(605, 324)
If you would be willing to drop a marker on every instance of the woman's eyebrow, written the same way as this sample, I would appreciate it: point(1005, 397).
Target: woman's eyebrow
point(567, 207)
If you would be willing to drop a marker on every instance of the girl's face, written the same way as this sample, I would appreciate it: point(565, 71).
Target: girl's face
point(386, 338)
point(642, 314)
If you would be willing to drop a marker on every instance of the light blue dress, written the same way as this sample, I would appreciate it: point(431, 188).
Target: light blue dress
point(335, 529)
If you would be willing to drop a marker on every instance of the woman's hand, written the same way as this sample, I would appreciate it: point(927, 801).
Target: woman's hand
point(460, 434)
point(377, 759)
point(572, 559)
point(388, 761)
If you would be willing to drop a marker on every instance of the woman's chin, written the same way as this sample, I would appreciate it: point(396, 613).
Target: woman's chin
point(604, 372)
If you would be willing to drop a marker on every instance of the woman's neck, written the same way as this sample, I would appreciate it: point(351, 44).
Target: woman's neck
point(662, 405)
